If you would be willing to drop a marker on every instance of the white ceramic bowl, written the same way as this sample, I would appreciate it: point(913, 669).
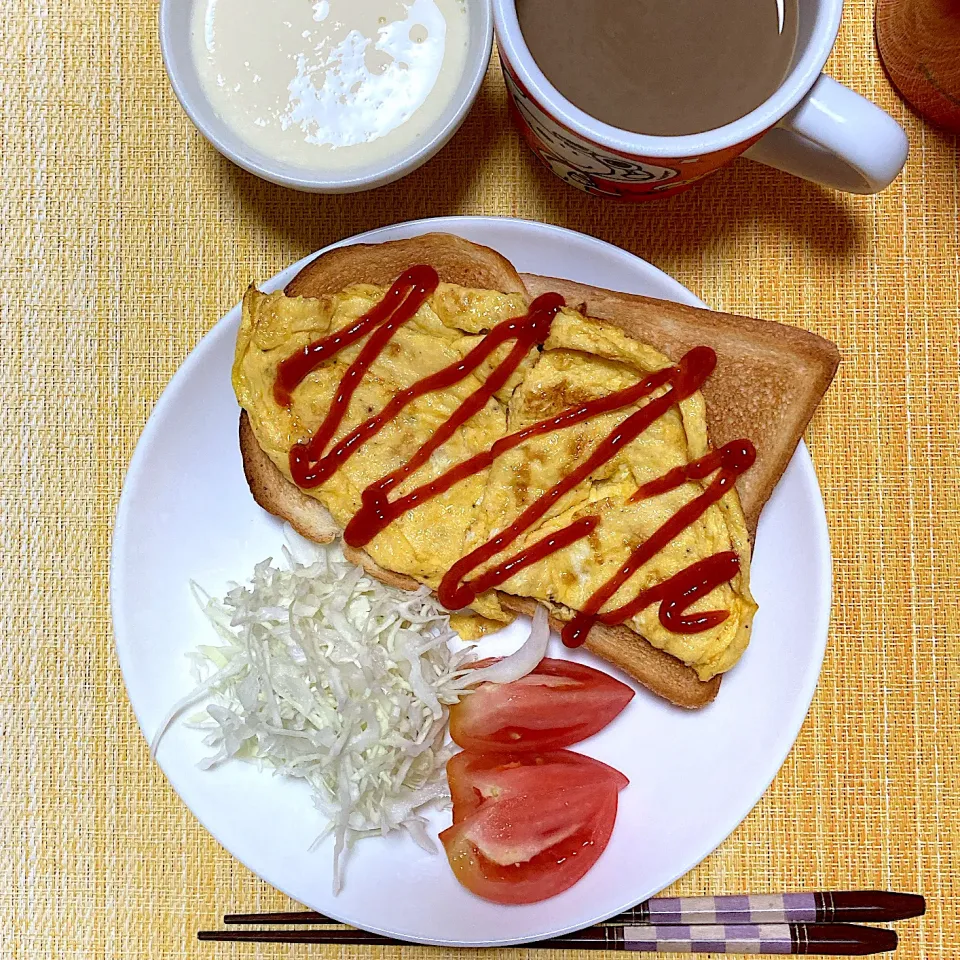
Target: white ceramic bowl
point(175, 19)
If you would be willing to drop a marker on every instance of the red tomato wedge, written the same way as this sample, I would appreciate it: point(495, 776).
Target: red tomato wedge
point(558, 704)
point(526, 848)
point(479, 778)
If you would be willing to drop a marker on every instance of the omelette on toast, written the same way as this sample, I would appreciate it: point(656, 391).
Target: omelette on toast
point(511, 440)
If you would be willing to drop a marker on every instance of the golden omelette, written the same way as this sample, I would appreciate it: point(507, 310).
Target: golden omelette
point(582, 359)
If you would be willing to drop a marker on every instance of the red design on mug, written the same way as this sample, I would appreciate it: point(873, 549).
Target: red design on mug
point(602, 171)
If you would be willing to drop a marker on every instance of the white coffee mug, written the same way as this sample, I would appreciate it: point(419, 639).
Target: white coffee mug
point(812, 126)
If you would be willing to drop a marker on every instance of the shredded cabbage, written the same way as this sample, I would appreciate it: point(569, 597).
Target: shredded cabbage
point(327, 675)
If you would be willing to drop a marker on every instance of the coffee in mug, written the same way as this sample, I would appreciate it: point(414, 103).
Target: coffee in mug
point(662, 67)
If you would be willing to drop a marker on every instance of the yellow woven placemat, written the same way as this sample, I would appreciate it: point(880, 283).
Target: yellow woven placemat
point(124, 237)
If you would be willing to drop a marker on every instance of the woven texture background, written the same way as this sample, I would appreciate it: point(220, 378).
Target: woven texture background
point(124, 236)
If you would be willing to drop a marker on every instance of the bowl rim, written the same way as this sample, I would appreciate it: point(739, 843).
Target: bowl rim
point(480, 49)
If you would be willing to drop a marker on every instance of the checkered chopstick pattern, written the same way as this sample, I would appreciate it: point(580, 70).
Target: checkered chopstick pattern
point(776, 938)
point(745, 909)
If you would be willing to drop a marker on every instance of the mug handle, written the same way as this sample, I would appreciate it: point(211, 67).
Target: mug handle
point(837, 138)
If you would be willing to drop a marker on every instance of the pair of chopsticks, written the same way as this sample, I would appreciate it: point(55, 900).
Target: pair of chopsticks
point(784, 923)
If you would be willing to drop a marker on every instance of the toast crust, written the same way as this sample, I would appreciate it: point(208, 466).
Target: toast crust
point(768, 383)
point(277, 495)
point(456, 261)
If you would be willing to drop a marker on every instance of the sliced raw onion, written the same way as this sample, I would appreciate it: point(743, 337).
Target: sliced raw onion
point(518, 664)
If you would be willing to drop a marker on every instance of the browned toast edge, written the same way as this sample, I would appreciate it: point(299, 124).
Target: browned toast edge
point(455, 260)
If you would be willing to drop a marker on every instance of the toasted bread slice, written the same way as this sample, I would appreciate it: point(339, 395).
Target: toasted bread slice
point(456, 261)
point(767, 385)
point(773, 410)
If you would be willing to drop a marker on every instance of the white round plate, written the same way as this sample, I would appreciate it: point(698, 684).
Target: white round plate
point(186, 514)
